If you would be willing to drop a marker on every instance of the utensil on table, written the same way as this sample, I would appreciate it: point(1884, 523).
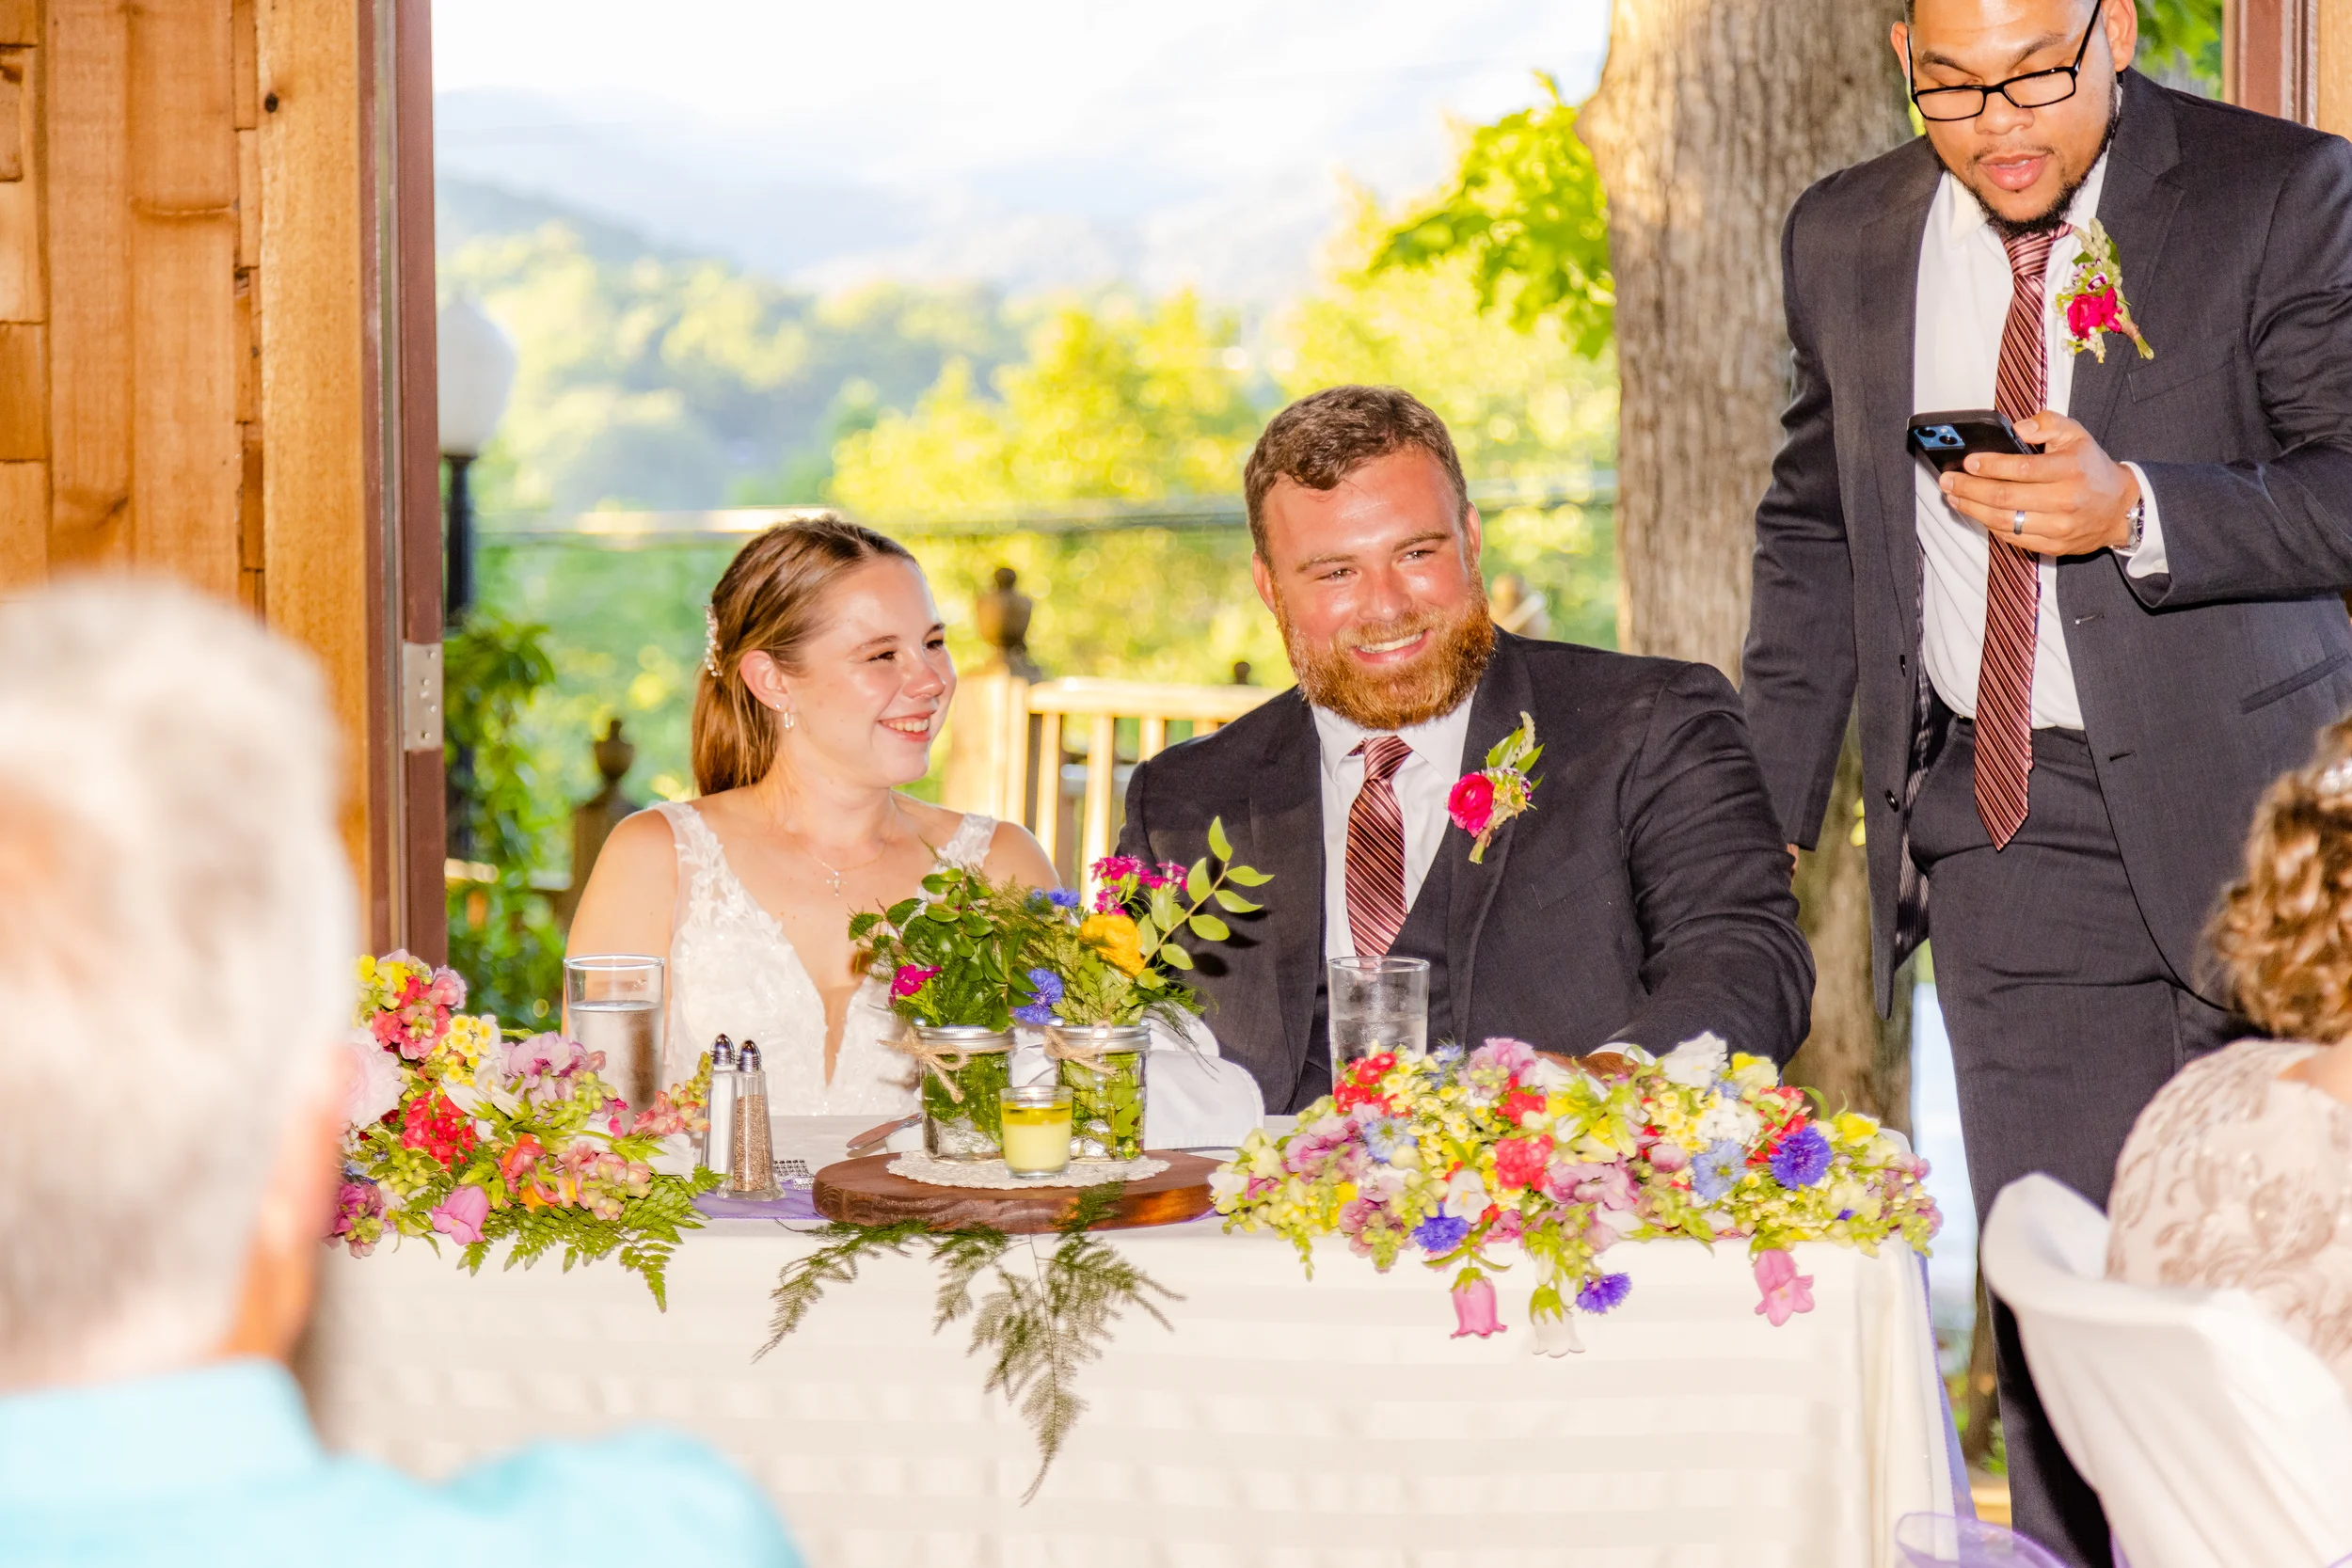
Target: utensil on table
point(874, 1136)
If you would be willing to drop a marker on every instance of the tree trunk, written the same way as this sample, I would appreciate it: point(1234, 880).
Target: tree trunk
point(1711, 118)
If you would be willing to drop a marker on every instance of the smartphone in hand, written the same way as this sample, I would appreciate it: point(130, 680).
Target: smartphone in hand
point(1943, 441)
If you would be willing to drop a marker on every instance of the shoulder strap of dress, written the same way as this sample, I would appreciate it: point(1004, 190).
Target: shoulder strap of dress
point(697, 847)
point(967, 846)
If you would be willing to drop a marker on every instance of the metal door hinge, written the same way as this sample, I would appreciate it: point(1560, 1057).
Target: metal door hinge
point(419, 696)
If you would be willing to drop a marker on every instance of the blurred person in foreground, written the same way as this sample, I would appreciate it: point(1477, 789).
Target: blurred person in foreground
point(176, 932)
point(2238, 1175)
point(1642, 896)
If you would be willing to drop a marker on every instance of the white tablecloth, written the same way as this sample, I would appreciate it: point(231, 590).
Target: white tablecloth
point(1280, 1422)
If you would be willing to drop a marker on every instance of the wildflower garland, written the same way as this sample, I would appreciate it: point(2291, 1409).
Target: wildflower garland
point(1456, 1153)
point(457, 1131)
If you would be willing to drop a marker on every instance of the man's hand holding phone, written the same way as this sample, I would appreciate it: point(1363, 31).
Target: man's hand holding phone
point(2075, 499)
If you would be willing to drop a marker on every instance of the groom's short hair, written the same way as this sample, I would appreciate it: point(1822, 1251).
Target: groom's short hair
point(1326, 436)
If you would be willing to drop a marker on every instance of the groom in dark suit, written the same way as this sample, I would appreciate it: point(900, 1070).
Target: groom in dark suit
point(2075, 671)
point(1643, 899)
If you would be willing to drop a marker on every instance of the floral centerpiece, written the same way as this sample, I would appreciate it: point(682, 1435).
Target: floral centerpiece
point(950, 953)
point(457, 1131)
point(1095, 976)
point(1458, 1156)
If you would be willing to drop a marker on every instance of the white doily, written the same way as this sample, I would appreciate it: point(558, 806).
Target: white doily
point(992, 1174)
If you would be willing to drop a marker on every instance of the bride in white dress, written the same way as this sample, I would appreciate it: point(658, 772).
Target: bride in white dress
point(826, 681)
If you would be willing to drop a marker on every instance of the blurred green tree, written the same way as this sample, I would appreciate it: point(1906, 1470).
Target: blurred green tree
point(502, 937)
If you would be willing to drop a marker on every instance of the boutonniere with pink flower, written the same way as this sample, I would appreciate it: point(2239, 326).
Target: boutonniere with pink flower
point(2092, 300)
point(1483, 801)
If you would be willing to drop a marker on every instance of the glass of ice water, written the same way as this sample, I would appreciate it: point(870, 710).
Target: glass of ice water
point(612, 1003)
point(1376, 1004)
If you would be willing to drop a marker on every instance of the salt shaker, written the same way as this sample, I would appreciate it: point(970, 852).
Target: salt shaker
point(750, 1164)
point(718, 1143)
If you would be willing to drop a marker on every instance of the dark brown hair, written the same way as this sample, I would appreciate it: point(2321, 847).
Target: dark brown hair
point(2284, 934)
point(768, 600)
point(1326, 436)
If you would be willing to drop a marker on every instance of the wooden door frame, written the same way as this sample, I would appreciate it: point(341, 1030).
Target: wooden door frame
point(407, 812)
point(2270, 56)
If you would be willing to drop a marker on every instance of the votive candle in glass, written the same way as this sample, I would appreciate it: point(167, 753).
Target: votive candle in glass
point(1037, 1131)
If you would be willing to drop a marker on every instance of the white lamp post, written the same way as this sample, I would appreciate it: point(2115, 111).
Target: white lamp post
point(477, 371)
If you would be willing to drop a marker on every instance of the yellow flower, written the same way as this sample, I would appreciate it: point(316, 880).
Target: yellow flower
point(1853, 1127)
point(1115, 937)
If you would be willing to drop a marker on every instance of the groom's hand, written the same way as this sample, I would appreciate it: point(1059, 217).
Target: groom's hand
point(2075, 497)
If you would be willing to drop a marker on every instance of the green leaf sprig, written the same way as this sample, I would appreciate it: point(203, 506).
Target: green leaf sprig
point(1036, 1329)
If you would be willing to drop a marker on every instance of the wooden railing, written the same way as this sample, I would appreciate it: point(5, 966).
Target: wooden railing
point(1013, 743)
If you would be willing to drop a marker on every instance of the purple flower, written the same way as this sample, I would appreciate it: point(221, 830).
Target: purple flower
point(1045, 994)
point(1801, 1158)
point(1716, 1169)
point(1603, 1292)
point(1063, 897)
point(1440, 1235)
point(1385, 1135)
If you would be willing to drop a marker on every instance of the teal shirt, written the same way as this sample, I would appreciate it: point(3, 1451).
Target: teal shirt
point(219, 1465)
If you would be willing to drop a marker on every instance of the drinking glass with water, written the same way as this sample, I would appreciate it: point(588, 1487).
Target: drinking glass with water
point(1376, 1004)
point(612, 1003)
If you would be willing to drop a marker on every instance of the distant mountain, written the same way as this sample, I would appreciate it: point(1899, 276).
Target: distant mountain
point(713, 191)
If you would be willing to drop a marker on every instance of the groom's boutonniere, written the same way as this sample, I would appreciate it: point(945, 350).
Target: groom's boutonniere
point(2092, 301)
point(1482, 801)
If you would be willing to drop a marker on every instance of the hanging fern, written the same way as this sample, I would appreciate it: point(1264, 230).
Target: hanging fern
point(1035, 1330)
point(647, 1233)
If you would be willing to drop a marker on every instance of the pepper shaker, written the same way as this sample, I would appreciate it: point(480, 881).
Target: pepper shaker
point(751, 1165)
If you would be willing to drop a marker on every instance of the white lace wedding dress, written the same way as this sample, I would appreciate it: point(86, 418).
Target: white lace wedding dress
point(733, 972)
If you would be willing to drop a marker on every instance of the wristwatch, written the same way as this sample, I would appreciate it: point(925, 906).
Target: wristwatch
point(2138, 516)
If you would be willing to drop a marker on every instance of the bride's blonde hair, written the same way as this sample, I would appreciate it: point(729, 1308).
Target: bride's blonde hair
point(768, 600)
point(2284, 933)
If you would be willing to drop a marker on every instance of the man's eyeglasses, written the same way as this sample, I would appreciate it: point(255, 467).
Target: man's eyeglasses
point(2035, 90)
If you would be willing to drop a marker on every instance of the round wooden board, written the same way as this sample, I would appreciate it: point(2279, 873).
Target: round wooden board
point(863, 1192)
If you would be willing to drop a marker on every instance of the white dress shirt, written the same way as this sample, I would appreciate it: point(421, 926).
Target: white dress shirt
point(1422, 785)
point(1962, 303)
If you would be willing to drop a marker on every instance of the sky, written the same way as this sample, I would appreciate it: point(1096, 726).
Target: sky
point(1199, 142)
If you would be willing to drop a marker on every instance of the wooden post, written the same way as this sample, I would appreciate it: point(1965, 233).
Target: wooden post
point(2270, 56)
point(2331, 65)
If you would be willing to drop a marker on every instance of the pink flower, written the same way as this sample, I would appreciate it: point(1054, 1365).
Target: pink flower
point(1787, 1293)
point(1519, 1162)
point(2094, 312)
point(1474, 1308)
point(1508, 1226)
point(1471, 803)
point(459, 1217)
point(909, 979)
point(1667, 1157)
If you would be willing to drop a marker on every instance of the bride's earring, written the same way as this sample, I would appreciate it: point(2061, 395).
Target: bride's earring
point(784, 717)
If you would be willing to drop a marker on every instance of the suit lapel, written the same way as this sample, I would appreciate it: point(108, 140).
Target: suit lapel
point(1886, 322)
point(1286, 842)
point(1503, 693)
point(2136, 207)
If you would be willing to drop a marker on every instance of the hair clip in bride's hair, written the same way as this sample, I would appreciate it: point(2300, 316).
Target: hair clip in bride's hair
point(2336, 782)
point(710, 642)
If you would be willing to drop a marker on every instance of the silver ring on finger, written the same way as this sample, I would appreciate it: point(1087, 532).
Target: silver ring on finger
point(2017, 522)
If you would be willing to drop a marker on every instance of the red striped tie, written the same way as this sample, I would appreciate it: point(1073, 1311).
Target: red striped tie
point(1376, 850)
point(2012, 590)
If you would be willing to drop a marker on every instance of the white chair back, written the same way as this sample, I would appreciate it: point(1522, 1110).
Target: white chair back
point(2214, 1437)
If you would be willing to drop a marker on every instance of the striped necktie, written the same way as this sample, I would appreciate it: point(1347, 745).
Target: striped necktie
point(1376, 850)
point(2013, 589)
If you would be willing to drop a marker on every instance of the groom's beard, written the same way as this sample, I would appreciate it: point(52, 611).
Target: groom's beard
point(1384, 699)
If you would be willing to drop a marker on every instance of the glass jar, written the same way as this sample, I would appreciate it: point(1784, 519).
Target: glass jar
point(1103, 1065)
point(965, 1121)
point(1037, 1131)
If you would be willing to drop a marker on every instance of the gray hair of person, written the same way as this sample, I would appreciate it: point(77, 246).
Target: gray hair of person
point(177, 924)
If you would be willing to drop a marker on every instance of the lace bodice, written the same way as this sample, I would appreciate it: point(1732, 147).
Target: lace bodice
point(733, 972)
point(2235, 1177)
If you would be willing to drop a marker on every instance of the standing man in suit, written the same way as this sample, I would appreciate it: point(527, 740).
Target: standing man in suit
point(2075, 671)
point(1643, 899)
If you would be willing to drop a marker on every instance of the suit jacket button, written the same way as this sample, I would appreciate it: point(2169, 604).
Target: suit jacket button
point(1890, 800)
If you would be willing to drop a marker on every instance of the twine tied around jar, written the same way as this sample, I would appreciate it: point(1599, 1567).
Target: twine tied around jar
point(941, 1061)
point(1089, 1045)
